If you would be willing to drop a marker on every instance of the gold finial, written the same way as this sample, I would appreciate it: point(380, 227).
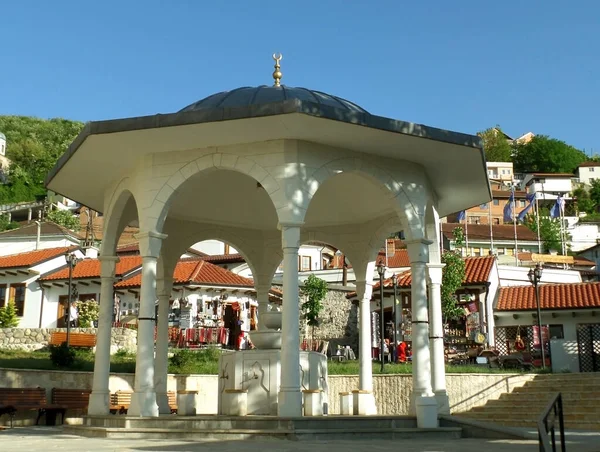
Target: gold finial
point(277, 73)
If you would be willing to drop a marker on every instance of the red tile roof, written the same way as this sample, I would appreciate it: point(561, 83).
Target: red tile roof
point(224, 258)
point(589, 164)
point(482, 231)
point(399, 259)
point(90, 268)
point(477, 271)
point(196, 272)
point(552, 296)
point(32, 258)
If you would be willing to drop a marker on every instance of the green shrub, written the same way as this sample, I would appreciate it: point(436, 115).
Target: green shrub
point(187, 361)
point(88, 313)
point(62, 355)
point(8, 316)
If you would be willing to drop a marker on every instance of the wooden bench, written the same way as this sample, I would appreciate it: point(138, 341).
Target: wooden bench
point(75, 339)
point(13, 400)
point(120, 401)
point(75, 399)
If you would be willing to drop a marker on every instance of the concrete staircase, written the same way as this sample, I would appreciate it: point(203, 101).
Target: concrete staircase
point(258, 427)
point(522, 407)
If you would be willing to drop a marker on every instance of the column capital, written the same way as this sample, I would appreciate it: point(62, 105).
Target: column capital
point(150, 243)
point(418, 250)
point(290, 236)
point(434, 273)
point(108, 266)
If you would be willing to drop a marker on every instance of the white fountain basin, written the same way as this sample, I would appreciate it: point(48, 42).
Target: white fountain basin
point(270, 319)
point(266, 340)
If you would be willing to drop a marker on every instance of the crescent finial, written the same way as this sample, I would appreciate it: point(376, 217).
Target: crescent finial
point(277, 74)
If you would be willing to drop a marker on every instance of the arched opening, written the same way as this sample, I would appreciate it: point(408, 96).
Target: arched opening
point(123, 214)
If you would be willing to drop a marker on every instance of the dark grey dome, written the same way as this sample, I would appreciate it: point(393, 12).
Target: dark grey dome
point(257, 95)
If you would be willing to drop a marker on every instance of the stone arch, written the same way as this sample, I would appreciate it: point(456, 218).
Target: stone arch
point(121, 210)
point(432, 233)
point(407, 197)
point(158, 207)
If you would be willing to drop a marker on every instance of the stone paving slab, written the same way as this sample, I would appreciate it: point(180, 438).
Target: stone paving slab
point(52, 438)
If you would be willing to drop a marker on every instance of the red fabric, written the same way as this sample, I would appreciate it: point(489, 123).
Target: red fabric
point(401, 352)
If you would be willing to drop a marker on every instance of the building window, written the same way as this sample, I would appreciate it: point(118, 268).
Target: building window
point(521, 203)
point(556, 332)
point(591, 168)
point(495, 220)
point(483, 206)
point(496, 202)
point(475, 220)
point(17, 293)
point(304, 263)
point(2, 294)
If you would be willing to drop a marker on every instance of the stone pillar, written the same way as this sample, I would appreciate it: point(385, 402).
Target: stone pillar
point(364, 290)
point(290, 396)
point(29, 212)
point(436, 337)
point(161, 360)
point(143, 399)
point(424, 402)
point(99, 398)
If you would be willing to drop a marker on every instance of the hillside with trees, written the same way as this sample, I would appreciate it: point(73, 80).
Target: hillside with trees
point(33, 146)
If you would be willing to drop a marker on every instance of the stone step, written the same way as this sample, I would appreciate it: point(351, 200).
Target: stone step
point(525, 422)
point(588, 407)
point(247, 434)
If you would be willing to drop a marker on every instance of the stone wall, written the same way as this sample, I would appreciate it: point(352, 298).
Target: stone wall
point(38, 338)
point(392, 392)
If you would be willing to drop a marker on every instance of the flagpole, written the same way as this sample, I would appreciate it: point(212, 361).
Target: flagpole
point(562, 226)
point(467, 232)
point(537, 218)
point(491, 228)
point(515, 225)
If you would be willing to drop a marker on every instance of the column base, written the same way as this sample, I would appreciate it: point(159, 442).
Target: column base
point(289, 403)
point(427, 412)
point(99, 403)
point(162, 400)
point(143, 404)
point(443, 402)
point(363, 403)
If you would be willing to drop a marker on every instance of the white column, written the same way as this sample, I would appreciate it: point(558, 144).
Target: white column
point(161, 361)
point(290, 397)
point(143, 399)
point(364, 290)
point(262, 296)
point(436, 336)
point(99, 398)
point(424, 402)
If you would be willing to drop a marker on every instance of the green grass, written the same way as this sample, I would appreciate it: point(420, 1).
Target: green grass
point(202, 362)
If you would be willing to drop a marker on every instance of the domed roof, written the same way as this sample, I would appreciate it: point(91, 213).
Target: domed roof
point(257, 95)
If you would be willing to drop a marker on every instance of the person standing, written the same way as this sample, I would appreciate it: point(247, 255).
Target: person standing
point(74, 314)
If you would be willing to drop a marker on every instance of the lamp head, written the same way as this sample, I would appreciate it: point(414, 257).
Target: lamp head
point(394, 279)
point(538, 271)
point(381, 268)
point(531, 275)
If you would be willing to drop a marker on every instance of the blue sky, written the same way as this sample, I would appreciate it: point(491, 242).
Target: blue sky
point(461, 65)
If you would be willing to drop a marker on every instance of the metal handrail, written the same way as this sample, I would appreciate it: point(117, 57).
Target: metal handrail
point(547, 425)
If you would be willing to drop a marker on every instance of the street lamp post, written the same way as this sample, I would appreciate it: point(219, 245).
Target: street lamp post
point(381, 271)
point(535, 275)
point(71, 262)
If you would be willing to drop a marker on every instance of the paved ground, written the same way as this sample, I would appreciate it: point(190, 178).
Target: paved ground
point(52, 438)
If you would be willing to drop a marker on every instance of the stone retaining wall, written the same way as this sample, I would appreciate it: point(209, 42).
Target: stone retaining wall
point(392, 392)
point(37, 338)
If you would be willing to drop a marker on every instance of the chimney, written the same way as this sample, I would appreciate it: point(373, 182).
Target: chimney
point(91, 252)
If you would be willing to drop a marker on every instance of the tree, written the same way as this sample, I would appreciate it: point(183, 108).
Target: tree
point(8, 316)
point(594, 193)
point(546, 155)
point(315, 290)
point(496, 146)
point(584, 202)
point(549, 229)
point(453, 275)
point(64, 218)
point(88, 313)
point(6, 225)
point(33, 146)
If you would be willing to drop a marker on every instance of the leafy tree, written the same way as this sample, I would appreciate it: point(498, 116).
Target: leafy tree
point(497, 148)
point(315, 290)
point(584, 202)
point(8, 316)
point(547, 155)
point(549, 229)
point(88, 313)
point(452, 278)
point(594, 193)
point(33, 146)
point(64, 218)
point(6, 225)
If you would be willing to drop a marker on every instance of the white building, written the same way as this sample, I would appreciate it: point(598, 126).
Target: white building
point(4, 162)
point(548, 185)
point(588, 171)
point(500, 171)
point(36, 236)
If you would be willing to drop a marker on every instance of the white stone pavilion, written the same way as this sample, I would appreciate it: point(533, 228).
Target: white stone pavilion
point(266, 169)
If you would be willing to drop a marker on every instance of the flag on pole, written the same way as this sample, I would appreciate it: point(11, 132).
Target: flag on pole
point(530, 199)
point(508, 209)
point(558, 208)
point(461, 216)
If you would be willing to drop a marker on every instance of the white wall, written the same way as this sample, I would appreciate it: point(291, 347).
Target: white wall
point(587, 173)
point(551, 185)
point(583, 235)
point(212, 247)
point(26, 244)
point(517, 276)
